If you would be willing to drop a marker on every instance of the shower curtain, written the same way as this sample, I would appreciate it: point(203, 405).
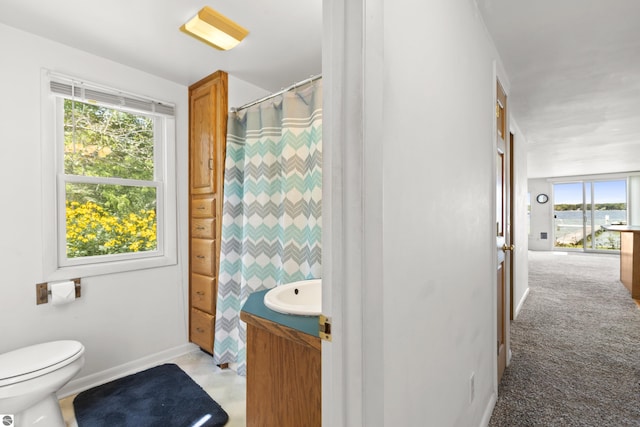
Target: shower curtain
point(271, 222)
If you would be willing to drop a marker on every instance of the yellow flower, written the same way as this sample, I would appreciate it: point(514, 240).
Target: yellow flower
point(91, 230)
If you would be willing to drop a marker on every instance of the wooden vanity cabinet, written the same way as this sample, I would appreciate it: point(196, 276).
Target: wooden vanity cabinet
point(284, 374)
point(207, 142)
point(630, 259)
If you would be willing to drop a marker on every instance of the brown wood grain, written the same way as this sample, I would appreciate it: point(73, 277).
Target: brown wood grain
point(283, 376)
point(201, 329)
point(201, 293)
point(281, 330)
point(207, 145)
point(630, 261)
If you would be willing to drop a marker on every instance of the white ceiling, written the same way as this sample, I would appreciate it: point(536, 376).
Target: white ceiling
point(574, 65)
point(574, 68)
point(283, 46)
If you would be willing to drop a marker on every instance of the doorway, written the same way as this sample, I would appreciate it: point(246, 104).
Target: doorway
point(583, 210)
point(503, 230)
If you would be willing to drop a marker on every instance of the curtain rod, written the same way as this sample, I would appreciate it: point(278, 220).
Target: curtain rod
point(293, 86)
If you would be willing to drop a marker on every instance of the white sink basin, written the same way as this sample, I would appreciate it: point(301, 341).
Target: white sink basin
point(303, 298)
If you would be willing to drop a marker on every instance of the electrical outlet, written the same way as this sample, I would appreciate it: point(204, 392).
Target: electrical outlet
point(472, 387)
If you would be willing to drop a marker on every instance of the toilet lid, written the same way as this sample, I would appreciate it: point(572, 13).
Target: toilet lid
point(37, 357)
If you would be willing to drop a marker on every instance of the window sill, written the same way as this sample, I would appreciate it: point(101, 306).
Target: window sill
point(113, 267)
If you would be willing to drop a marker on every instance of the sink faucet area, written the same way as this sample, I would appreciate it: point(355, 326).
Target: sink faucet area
point(302, 298)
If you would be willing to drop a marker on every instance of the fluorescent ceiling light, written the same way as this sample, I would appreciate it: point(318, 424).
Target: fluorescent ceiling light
point(215, 29)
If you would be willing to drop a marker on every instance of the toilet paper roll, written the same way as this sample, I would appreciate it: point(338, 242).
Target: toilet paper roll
point(63, 293)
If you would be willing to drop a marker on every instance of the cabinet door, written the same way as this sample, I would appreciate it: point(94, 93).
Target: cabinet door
point(202, 151)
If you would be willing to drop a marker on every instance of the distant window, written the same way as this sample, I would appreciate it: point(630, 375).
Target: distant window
point(110, 156)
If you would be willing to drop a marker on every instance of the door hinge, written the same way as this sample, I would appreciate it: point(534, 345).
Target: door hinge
point(324, 327)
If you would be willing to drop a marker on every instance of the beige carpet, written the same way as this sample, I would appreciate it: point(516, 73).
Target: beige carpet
point(575, 347)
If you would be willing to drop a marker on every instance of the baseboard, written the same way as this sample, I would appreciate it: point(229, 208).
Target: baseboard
point(486, 417)
point(77, 385)
point(519, 307)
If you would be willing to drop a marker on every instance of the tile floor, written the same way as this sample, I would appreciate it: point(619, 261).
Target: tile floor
point(224, 386)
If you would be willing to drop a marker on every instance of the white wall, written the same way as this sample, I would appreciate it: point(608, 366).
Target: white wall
point(241, 92)
point(439, 214)
point(409, 218)
point(633, 200)
point(121, 318)
point(541, 216)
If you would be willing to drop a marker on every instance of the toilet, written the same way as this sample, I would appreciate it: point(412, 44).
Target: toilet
point(30, 378)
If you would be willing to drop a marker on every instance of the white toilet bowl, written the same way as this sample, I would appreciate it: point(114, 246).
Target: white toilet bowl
point(30, 378)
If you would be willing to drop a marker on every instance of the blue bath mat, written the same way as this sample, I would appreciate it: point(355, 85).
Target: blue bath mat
point(158, 397)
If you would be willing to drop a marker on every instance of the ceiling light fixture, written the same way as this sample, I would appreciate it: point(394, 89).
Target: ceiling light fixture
point(216, 30)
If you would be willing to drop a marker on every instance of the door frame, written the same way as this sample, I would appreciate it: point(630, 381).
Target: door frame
point(505, 238)
point(352, 71)
point(511, 223)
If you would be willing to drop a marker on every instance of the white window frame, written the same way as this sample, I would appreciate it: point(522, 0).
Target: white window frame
point(56, 264)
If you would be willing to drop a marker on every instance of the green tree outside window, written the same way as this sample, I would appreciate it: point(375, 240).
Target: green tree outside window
point(104, 218)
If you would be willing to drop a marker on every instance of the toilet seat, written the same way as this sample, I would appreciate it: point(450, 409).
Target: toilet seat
point(36, 360)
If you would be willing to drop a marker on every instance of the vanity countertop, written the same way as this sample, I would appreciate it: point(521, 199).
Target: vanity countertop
point(621, 227)
point(255, 306)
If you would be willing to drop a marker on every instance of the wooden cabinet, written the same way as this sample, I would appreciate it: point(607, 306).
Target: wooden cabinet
point(284, 374)
point(207, 137)
point(630, 258)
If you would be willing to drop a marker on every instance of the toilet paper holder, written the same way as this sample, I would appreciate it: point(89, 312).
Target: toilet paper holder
point(43, 291)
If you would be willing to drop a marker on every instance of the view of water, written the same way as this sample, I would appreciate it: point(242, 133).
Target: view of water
point(569, 232)
point(601, 217)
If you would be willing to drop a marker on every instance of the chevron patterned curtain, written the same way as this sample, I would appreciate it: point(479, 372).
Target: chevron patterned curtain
point(271, 224)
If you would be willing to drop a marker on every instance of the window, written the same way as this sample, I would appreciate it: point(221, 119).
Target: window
point(584, 209)
point(114, 197)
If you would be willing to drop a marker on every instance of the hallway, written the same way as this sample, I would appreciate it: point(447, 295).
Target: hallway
point(575, 347)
